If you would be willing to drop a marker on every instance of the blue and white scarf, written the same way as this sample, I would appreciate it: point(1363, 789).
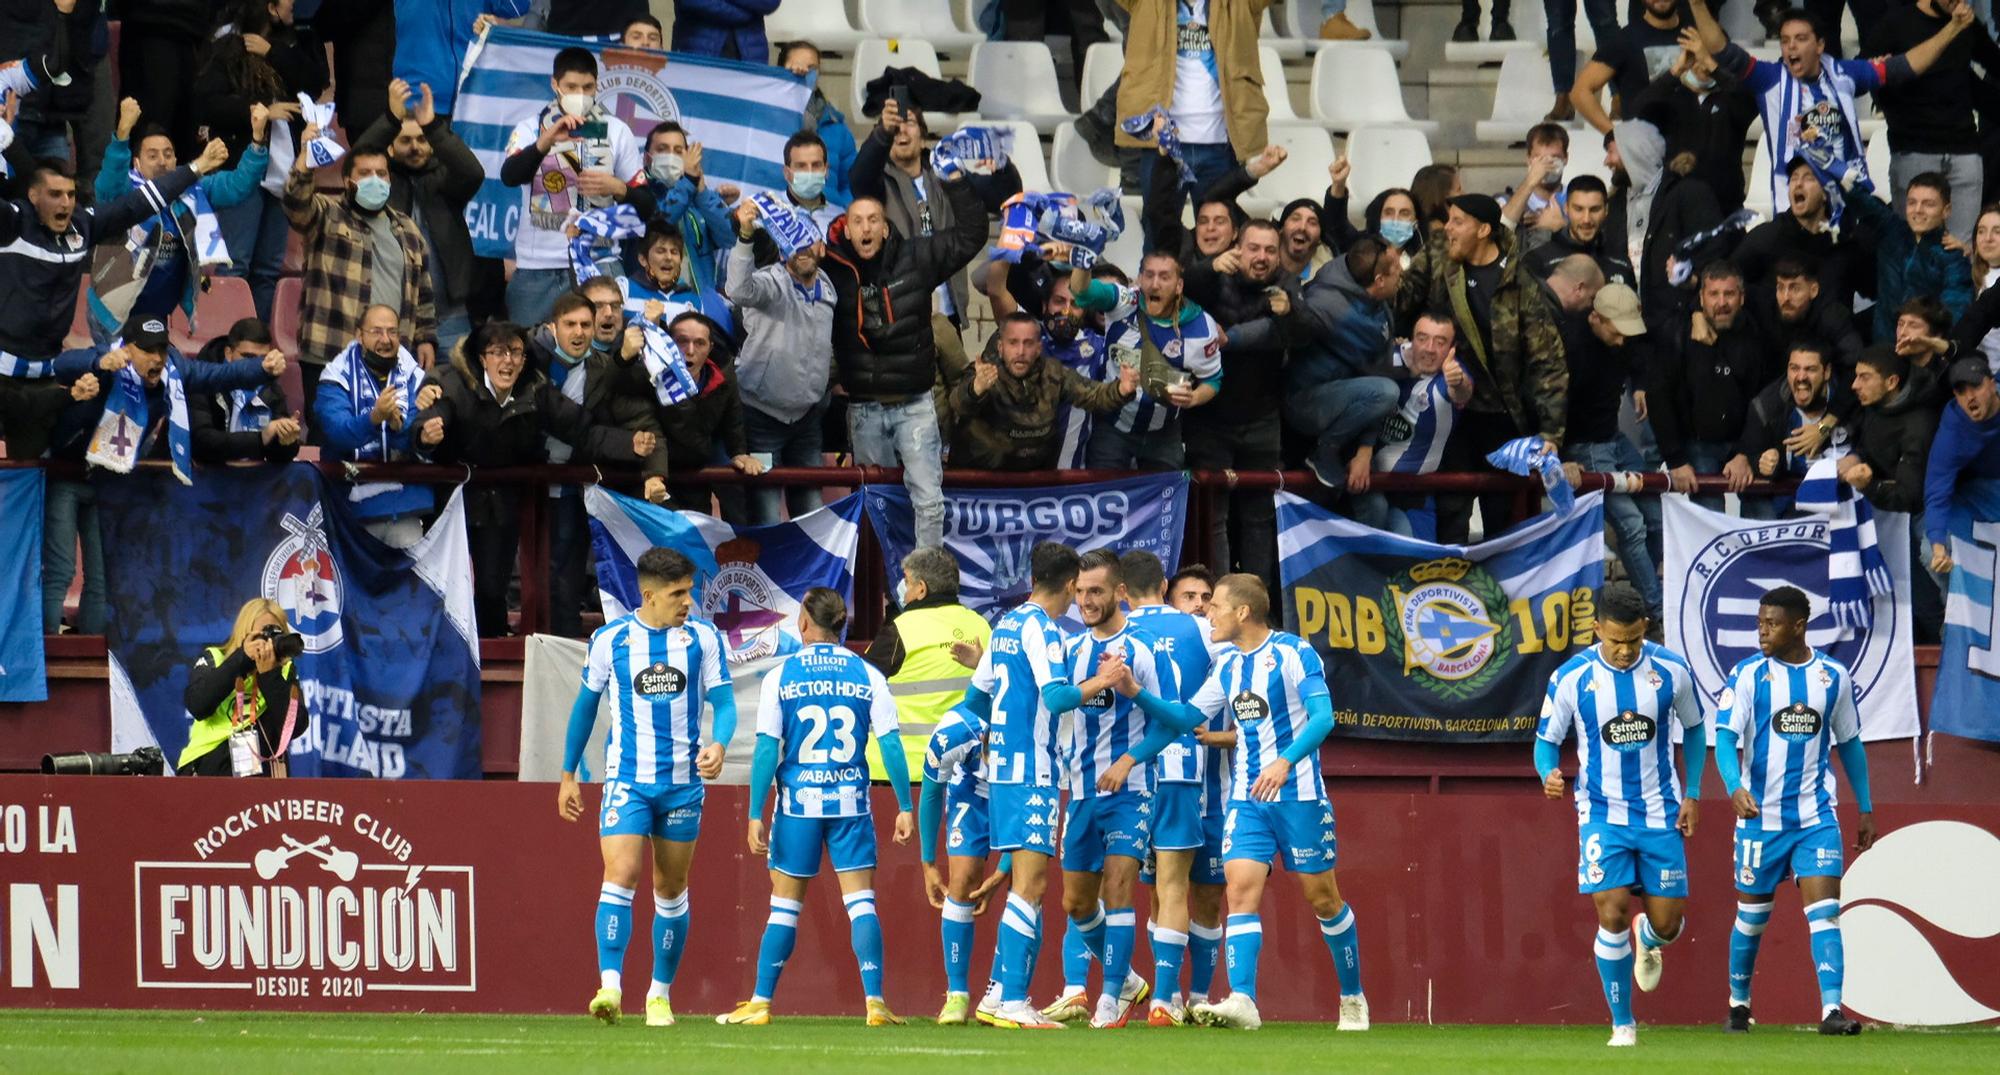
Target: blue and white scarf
point(17, 80)
point(1524, 456)
point(792, 230)
point(600, 229)
point(120, 438)
point(1856, 571)
point(349, 370)
point(977, 150)
point(205, 247)
point(1169, 138)
point(248, 410)
point(666, 367)
point(323, 150)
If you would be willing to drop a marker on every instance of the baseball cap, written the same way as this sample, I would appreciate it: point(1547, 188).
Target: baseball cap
point(1480, 207)
point(147, 332)
point(1968, 371)
point(1619, 305)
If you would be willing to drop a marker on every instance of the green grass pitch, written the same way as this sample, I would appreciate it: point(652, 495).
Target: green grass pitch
point(164, 1043)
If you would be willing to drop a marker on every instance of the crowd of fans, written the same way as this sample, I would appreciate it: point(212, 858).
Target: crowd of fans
point(1648, 323)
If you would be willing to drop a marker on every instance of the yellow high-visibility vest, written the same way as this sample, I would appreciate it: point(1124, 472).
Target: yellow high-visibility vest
point(930, 681)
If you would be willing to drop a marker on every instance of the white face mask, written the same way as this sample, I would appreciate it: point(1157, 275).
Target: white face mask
point(1696, 83)
point(667, 167)
point(577, 104)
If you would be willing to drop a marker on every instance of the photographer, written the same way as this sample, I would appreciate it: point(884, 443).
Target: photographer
point(243, 698)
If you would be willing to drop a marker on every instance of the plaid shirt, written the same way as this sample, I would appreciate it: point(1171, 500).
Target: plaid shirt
point(338, 267)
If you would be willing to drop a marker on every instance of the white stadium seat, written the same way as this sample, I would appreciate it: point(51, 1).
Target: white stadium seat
point(1027, 156)
point(1308, 154)
point(1291, 47)
point(1530, 34)
point(1757, 196)
point(1302, 23)
point(1382, 157)
point(1878, 165)
point(816, 21)
point(1277, 93)
point(1017, 80)
point(1359, 87)
point(1520, 100)
point(1101, 67)
point(1073, 168)
point(925, 20)
point(875, 55)
point(1124, 251)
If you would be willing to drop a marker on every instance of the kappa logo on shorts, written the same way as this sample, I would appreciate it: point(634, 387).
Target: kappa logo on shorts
point(659, 678)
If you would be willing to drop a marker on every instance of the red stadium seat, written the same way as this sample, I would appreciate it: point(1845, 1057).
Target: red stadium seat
point(79, 320)
point(226, 301)
point(285, 304)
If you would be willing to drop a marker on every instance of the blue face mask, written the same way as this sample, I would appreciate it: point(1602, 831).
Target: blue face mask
point(1398, 232)
point(371, 192)
point(807, 185)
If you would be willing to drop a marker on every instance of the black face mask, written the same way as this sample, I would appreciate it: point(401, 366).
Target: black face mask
point(1062, 328)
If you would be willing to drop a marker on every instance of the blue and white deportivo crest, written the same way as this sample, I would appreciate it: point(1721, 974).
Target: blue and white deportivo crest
point(630, 88)
point(300, 575)
point(1727, 576)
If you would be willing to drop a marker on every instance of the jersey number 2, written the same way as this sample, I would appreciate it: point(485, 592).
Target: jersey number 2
point(838, 721)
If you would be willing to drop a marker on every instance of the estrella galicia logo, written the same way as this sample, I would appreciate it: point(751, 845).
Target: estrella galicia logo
point(1249, 707)
point(1629, 731)
point(659, 678)
point(1100, 700)
point(1797, 722)
point(1727, 576)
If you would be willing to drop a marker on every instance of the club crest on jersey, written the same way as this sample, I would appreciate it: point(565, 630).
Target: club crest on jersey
point(659, 678)
point(1449, 617)
point(1797, 721)
point(745, 605)
point(301, 577)
point(1249, 707)
point(1629, 731)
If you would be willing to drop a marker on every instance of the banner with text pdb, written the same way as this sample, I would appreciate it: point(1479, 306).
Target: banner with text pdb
point(1440, 643)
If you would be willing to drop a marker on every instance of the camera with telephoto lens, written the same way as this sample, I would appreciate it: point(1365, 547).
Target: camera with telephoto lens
point(145, 761)
point(286, 644)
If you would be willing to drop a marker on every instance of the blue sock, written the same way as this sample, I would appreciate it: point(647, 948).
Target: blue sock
point(1121, 930)
point(614, 928)
point(1339, 934)
point(1169, 951)
point(781, 932)
point(1083, 940)
point(1829, 956)
point(670, 935)
point(957, 932)
point(1017, 939)
point(1246, 943)
point(1204, 945)
point(1614, 969)
point(865, 929)
point(1751, 918)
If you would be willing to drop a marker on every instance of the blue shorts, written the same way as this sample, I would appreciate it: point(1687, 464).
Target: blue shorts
point(967, 825)
point(1301, 833)
point(796, 842)
point(1608, 857)
point(1207, 868)
point(666, 811)
point(1023, 817)
point(1177, 817)
point(1116, 824)
point(1765, 856)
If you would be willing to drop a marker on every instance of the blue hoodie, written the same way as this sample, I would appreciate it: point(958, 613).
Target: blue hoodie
point(432, 37)
point(1963, 448)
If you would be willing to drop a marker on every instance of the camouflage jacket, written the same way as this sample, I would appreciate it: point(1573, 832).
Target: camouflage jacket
point(1014, 425)
point(1523, 372)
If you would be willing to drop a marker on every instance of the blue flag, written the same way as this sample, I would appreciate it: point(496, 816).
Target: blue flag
point(748, 580)
point(741, 113)
point(1967, 699)
point(23, 668)
point(992, 531)
point(390, 672)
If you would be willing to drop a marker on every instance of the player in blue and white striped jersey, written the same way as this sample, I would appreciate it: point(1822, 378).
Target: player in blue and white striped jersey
point(1186, 879)
point(1790, 707)
point(1275, 686)
point(955, 799)
point(815, 713)
point(1622, 698)
point(658, 667)
point(1024, 673)
point(1107, 833)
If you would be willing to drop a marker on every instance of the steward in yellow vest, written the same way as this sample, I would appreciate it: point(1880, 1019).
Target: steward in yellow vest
point(916, 652)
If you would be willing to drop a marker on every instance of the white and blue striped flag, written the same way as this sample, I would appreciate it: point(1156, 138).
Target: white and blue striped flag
point(741, 113)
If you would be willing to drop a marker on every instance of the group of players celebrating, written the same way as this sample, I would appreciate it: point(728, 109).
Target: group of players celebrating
point(1187, 747)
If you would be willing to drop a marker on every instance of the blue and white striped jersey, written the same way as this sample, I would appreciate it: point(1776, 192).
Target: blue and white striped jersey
point(655, 680)
point(1109, 725)
point(1626, 773)
point(1414, 435)
point(952, 756)
point(1024, 655)
point(1086, 354)
point(1180, 640)
point(1265, 691)
point(1790, 717)
point(1192, 345)
point(821, 705)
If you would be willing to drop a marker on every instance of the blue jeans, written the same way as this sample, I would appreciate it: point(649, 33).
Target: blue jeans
point(1209, 161)
point(1329, 8)
point(1634, 519)
point(452, 327)
point(1707, 457)
point(905, 435)
point(1337, 413)
point(532, 294)
point(1374, 509)
point(256, 231)
point(1603, 17)
point(71, 514)
point(791, 444)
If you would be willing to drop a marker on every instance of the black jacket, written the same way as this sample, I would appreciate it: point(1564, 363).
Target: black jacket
point(616, 393)
point(1160, 208)
point(209, 685)
point(1843, 266)
point(1827, 321)
point(1253, 360)
point(715, 415)
point(1683, 206)
point(33, 30)
point(883, 345)
point(1702, 392)
point(436, 195)
point(1768, 421)
point(1894, 438)
point(1616, 266)
point(208, 421)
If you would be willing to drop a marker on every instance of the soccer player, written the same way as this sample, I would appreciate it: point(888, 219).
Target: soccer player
point(658, 667)
point(955, 797)
point(1107, 831)
point(1181, 827)
point(1618, 698)
point(1275, 686)
point(1190, 588)
point(814, 714)
point(1024, 672)
point(1791, 706)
